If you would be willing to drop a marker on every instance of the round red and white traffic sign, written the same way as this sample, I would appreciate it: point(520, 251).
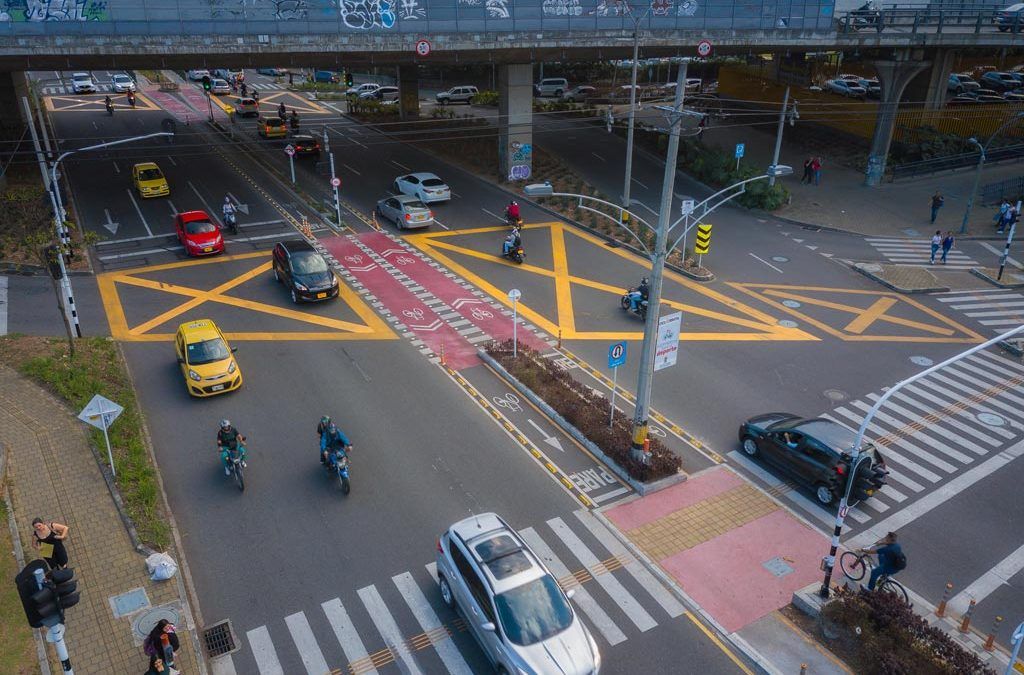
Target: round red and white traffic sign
point(704, 48)
point(335, 181)
point(290, 150)
point(423, 47)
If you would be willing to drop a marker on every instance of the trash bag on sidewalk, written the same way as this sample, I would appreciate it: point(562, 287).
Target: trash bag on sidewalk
point(161, 567)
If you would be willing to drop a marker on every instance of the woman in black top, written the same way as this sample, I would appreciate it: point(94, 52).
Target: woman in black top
point(53, 534)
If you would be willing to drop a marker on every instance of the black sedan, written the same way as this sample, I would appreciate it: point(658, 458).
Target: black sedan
point(814, 452)
point(305, 145)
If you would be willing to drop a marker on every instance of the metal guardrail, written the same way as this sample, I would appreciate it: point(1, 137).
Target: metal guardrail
point(995, 193)
point(927, 20)
point(927, 167)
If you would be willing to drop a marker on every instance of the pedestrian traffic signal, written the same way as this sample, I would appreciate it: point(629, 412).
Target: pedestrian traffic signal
point(867, 480)
point(348, 80)
point(44, 597)
point(207, 82)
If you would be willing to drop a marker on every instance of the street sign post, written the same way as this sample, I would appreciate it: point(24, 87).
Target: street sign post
point(101, 412)
point(514, 296)
point(741, 148)
point(667, 349)
point(616, 357)
point(290, 151)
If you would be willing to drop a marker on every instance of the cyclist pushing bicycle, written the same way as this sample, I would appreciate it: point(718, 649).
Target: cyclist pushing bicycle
point(891, 558)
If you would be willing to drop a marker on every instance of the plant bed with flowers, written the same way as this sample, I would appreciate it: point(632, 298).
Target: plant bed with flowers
point(587, 413)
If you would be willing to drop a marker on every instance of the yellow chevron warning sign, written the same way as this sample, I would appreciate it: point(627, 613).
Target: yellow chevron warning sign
point(703, 243)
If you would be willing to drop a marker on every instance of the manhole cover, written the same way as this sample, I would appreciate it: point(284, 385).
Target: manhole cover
point(777, 566)
point(780, 258)
point(792, 304)
point(786, 323)
point(921, 361)
point(129, 603)
point(144, 622)
point(835, 395)
point(218, 639)
point(911, 232)
point(990, 419)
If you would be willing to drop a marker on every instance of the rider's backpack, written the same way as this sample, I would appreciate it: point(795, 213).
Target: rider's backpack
point(899, 561)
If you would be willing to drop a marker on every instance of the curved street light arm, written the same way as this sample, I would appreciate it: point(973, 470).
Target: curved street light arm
point(632, 215)
point(708, 209)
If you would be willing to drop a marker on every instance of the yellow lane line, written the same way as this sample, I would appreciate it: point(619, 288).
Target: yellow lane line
point(188, 263)
point(563, 286)
point(718, 643)
point(112, 305)
point(872, 312)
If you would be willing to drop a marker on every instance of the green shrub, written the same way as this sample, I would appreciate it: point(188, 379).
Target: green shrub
point(486, 97)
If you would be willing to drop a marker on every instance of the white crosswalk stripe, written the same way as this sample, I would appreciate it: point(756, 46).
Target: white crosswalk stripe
point(917, 253)
point(405, 623)
point(995, 308)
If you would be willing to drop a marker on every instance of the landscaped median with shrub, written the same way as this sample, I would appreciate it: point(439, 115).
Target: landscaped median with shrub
point(879, 634)
point(585, 410)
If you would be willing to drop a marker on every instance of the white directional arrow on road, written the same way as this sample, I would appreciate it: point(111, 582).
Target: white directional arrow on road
point(459, 302)
point(369, 267)
point(550, 440)
point(388, 252)
point(110, 224)
point(429, 327)
point(244, 208)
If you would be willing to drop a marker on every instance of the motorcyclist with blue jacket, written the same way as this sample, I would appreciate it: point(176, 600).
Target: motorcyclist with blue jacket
point(332, 441)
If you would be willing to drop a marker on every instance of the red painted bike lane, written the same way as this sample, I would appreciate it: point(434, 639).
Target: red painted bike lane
point(171, 105)
point(401, 302)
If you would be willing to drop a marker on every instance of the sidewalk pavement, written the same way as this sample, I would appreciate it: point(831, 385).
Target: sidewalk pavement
point(53, 474)
point(841, 201)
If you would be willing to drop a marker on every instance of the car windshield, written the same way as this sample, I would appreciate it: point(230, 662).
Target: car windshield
point(207, 351)
point(200, 227)
point(433, 182)
point(120, 78)
point(533, 612)
point(308, 263)
point(150, 174)
point(414, 205)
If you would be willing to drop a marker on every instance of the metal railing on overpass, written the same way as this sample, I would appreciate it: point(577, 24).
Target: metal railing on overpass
point(933, 19)
point(927, 167)
point(1010, 190)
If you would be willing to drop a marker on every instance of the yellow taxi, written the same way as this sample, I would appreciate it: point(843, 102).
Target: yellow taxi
point(273, 127)
point(206, 359)
point(149, 180)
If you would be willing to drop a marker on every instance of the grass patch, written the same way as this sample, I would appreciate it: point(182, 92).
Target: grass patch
point(99, 369)
point(151, 75)
point(17, 648)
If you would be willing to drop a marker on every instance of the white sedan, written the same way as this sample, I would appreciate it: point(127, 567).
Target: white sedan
point(122, 83)
point(197, 75)
point(428, 187)
point(82, 83)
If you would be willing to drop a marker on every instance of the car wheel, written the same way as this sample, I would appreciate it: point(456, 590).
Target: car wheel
point(295, 297)
point(960, 89)
point(446, 591)
point(824, 493)
point(395, 188)
point(750, 446)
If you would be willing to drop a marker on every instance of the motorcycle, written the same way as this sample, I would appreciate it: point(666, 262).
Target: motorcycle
point(641, 305)
point(515, 254)
point(131, 99)
point(338, 465)
point(231, 221)
point(110, 109)
point(235, 465)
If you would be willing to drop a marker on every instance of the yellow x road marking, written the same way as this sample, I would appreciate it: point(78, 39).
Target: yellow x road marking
point(81, 104)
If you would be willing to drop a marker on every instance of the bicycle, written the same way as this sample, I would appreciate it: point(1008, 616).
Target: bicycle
point(855, 565)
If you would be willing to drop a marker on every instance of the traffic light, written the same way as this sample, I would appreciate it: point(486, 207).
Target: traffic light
point(867, 479)
point(45, 606)
point(207, 82)
point(348, 80)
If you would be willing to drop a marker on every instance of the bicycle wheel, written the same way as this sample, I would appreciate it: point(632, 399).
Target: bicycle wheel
point(894, 587)
point(239, 479)
point(853, 565)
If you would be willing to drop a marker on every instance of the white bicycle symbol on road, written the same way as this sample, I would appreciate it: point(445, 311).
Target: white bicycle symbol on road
point(658, 431)
point(404, 260)
point(509, 401)
point(354, 259)
point(415, 314)
point(479, 314)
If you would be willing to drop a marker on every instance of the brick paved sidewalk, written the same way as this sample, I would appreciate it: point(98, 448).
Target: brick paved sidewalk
point(52, 473)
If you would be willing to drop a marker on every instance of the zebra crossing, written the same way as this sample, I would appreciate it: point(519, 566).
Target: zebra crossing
point(67, 90)
point(995, 308)
point(402, 623)
point(918, 252)
point(929, 433)
point(267, 86)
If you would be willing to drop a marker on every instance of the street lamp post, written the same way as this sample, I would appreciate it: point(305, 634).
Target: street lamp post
point(983, 149)
point(626, 202)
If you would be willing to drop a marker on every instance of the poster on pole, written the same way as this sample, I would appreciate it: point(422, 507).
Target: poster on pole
point(667, 348)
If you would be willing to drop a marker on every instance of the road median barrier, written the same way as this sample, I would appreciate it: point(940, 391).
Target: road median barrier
point(901, 278)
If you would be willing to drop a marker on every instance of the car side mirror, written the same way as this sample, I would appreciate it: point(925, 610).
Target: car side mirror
point(234, 349)
point(569, 593)
point(181, 360)
point(489, 627)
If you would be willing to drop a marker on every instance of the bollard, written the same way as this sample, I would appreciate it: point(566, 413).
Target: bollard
point(443, 362)
point(559, 337)
point(941, 610)
point(990, 641)
point(965, 624)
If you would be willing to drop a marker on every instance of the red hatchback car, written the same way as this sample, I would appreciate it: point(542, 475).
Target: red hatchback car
point(198, 233)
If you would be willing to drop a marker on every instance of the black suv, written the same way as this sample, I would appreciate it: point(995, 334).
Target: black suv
point(304, 271)
point(815, 452)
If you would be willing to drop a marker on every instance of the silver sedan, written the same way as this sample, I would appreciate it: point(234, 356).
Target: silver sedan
point(405, 211)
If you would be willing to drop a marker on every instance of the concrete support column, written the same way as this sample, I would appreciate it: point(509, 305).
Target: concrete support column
point(12, 114)
point(931, 86)
point(893, 75)
point(408, 92)
point(515, 120)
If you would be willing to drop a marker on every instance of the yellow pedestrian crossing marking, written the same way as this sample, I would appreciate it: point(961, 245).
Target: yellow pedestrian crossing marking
point(96, 102)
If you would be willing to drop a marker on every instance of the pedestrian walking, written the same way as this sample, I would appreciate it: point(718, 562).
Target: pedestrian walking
point(161, 643)
point(947, 244)
point(937, 203)
point(936, 243)
point(158, 667)
point(1001, 215)
point(48, 539)
point(816, 168)
point(808, 172)
point(1009, 219)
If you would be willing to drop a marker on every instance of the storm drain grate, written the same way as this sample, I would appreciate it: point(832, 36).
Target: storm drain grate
point(218, 639)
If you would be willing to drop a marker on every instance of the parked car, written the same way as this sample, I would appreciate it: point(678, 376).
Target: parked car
point(1010, 18)
point(82, 83)
point(356, 92)
point(326, 76)
point(960, 83)
point(198, 233)
point(405, 211)
point(511, 602)
point(850, 77)
point(461, 94)
point(551, 86)
point(303, 271)
point(427, 187)
point(579, 93)
point(978, 71)
point(306, 145)
point(273, 72)
point(219, 86)
point(206, 359)
point(1000, 81)
point(198, 75)
point(814, 452)
point(622, 92)
point(846, 88)
point(272, 127)
point(230, 74)
point(1013, 96)
point(121, 83)
point(385, 94)
point(964, 99)
point(872, 86)
point(245, 106)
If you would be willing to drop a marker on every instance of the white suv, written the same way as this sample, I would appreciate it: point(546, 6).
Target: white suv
point(463, 94)
point(551, 86)
point(365, 88)
point(82, 83)
point(511, 602)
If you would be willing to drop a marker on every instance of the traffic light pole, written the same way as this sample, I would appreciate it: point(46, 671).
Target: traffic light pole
point(830, 559)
